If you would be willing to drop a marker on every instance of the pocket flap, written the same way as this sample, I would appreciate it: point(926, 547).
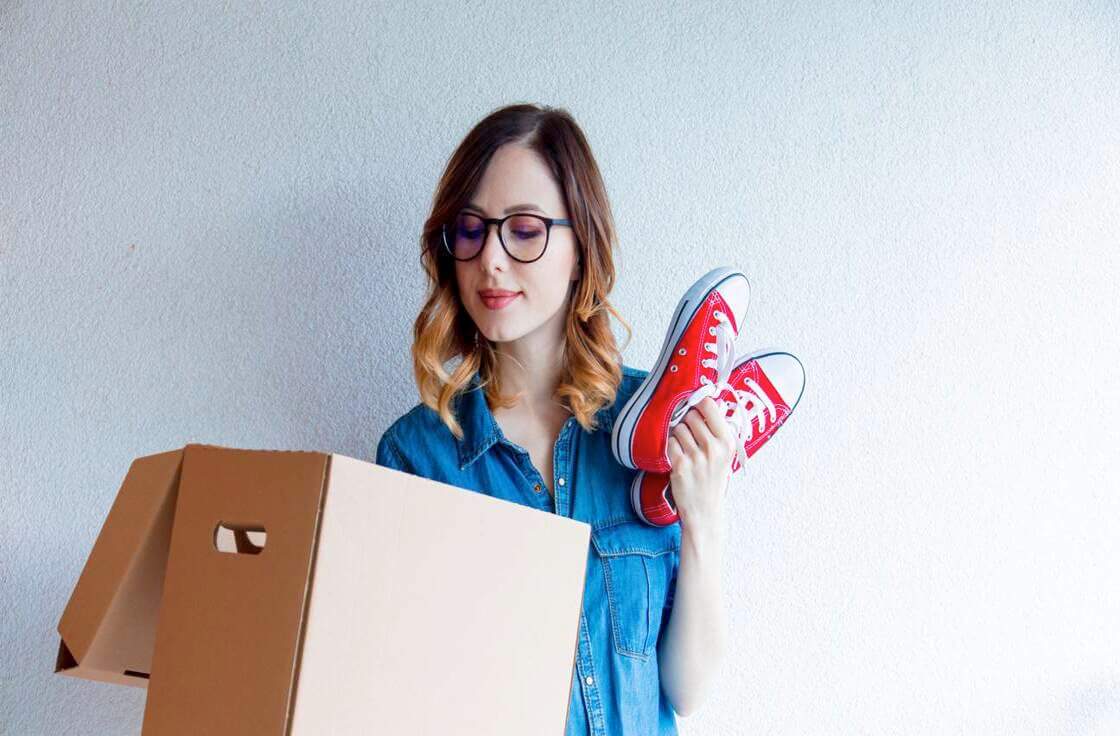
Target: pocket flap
point(636, 537)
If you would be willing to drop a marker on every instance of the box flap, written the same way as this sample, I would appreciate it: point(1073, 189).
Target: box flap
point(228, 636)
point(108, 628)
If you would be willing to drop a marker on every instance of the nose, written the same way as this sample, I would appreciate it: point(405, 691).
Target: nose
point(492, 254)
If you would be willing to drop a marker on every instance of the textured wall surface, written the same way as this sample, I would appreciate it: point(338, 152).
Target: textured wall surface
point(209, 217)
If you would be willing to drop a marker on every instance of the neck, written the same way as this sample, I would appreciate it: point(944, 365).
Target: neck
point(532, 365)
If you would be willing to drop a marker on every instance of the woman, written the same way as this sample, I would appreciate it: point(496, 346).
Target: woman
point(518, 252)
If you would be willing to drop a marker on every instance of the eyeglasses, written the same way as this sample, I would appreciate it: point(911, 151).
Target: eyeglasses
point(522, 235)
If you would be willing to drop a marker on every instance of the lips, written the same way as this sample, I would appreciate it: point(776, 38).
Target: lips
point(497, 298)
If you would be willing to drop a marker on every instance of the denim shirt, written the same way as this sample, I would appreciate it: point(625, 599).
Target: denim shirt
point(631, 566)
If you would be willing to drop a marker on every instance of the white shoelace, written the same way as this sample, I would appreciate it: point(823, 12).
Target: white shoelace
point(750, 404)
point(742, 417)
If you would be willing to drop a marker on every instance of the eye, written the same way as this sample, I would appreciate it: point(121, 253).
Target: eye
point(528, 234)
point(525, 227)
point(469, 227)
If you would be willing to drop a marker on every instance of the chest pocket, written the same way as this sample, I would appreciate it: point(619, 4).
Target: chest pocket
point(638, 564)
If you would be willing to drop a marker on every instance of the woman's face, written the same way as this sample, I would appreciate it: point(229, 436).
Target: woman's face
point(518, 180)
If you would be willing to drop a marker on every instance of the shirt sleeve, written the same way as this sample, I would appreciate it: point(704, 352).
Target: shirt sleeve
point(389, 455)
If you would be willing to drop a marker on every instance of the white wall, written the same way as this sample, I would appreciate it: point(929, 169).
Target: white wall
point(208, 232)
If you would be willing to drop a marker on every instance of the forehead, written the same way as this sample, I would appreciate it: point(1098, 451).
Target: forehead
point(514, 175)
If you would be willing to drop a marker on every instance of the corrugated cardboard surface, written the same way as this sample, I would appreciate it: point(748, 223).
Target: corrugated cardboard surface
point(436, 610)
point(108, 629)
point(229, 626)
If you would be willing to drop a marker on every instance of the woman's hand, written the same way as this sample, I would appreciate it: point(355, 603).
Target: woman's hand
point(700, 449)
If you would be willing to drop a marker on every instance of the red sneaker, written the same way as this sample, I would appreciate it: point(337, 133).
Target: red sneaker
point(765, 388)
point(696, 359)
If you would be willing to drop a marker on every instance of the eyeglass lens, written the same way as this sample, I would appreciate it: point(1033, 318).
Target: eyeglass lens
point(525, 236)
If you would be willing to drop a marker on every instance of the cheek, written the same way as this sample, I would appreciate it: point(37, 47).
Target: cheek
point(561, 262)
point(462, 284)
point(552, 289)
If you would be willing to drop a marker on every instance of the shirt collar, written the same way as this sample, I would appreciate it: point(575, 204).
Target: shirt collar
point(481, 431)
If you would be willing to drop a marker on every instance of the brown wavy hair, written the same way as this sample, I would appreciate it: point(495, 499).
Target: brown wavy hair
point(444, 331)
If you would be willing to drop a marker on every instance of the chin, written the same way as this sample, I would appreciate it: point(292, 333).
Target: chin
point(500, 333)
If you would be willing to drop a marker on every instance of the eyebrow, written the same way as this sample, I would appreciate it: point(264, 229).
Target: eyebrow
point(513, 208)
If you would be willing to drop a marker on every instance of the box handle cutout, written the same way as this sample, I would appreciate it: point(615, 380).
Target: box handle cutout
point(242, 539)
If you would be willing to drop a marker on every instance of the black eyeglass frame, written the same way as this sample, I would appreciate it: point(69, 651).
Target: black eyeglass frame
point(500, 221)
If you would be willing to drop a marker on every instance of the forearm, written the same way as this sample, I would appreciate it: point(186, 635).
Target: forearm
point(696, 636)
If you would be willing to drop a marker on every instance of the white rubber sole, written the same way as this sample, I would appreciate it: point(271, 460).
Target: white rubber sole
point(623, 431)
point(635, 500)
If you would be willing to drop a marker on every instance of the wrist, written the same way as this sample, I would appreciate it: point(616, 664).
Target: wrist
point(703, 538)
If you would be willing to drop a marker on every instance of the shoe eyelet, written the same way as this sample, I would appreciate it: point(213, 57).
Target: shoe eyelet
point(682, 351)
point(711, 330)
point(672, 369)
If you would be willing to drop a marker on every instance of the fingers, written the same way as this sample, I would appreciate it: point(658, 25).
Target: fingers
point(682, 433)
point(673, 450)
point(698, 429)
point(716, 420)
point(709, 428)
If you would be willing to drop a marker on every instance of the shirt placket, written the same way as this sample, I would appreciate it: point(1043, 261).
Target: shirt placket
point(537, 491)
point(585, 669)
point(592, 696)
point(561, 471)
point(562, 505)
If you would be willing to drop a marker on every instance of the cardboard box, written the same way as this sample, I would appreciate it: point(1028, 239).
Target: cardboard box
point(293, 593)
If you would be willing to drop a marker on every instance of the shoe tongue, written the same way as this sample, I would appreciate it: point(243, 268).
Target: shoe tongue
point(729, 396)
point(753, 370)
point(747, 369)
point(724, 307)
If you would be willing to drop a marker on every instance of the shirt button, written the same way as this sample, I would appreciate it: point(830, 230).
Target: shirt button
point(560, 481)
point(590, 680)
point(537, 488)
